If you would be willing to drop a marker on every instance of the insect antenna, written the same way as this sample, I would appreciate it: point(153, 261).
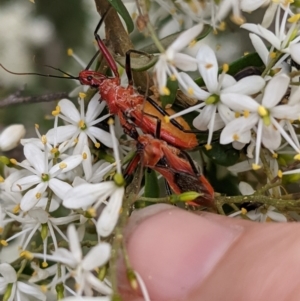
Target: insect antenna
point(40, 74)
point(92, 60)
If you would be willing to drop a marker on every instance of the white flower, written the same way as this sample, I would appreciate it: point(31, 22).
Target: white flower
point(82, 267)
point(43, 176)
point(172, 59)
point(11, 136)
point(19, 290)
point(268, 130)
point(251, 5)
point(214, 114)
point(81, 125)
point(284, 42)
point(264, 215)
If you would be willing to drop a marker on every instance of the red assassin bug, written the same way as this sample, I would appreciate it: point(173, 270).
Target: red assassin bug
point(175, 165)
point(132, 108)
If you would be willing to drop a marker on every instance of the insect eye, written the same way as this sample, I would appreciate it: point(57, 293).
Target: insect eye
point(89, 78)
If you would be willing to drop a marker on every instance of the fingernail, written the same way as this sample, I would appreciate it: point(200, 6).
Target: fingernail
point(174, 251)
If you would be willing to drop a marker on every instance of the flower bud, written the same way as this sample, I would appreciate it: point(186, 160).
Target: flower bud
point(11, 136)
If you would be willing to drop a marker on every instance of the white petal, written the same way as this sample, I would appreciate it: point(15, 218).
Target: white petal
point(197, 91)
point(295, 95)
point(25, 183)
point(185, 62)
point(295, 52)
point(202, 120)
point(286, 112)
point(74, 243)
point(36, 157)
point(276, 216)
point(62, 133)
point(64, 256)
point(8, 273)
point(59, 187)
point(239, 102)
point(245, 188)
point(71, 162)
point(185, 38)
point(81, 142)
point(241, 166)
point(87, 162)
point(227, 80)
point(269, 14)
point(68, 109)
point(251, 5)
point(86, 298)
point(271, 137)
point(110, 214)
point(86, 194)
point(97, 256)
point(94, 108)
point(225, 113)
point(275, 90)
point(11, 136)
point(260, 48)
point(208, 67)
point(39, 214)
point(247, 86)
point(31, 196)
point(31, 290)
point(238, 129)
point(100, 135)
point(98, 285)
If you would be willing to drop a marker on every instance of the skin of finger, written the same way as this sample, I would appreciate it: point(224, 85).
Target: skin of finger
point(261, 264)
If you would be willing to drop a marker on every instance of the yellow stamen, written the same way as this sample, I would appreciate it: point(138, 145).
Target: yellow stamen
point(222, 26)
point(275, 156)
point(91, 212)
point(190, 91)
point(13, 161)
point(225, 68)
point(272, 55)
point(70, 51)
point(246, 53)
point(279, 174)
point(246, 113)
point(110, 121)
point(173, 77)
point(36, 126)
point(54, 150)
point(1, 179)
point(239, 20)
point(38, 195)
point(97, 145)
point(32, 1)
point(1, 230)
point(84, 156)
point(208, 147)
point(167, 119)
point(293, 19)
point(4, 243)
point(56, 111)
point(262, 111)
point(44, 139)
point(237, 114)
point(26, 254)
point(297, 157)
point(244, 211)
point(81, 124)
point(62, 165)
point(235, 137)
point(209, 65)
point(76, 140)
point(16, 209)
point(44, 264)
point(82, 95)
point(255, 166)
point(44, 288)
point(165, 91)
point(192, 43)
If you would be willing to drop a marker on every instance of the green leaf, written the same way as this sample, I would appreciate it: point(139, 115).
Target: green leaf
point(172, 85)
point(151, 184)
point(121, 9)
point(224, 155)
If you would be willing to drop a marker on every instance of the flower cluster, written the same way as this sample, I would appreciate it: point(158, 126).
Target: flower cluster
point(60, 202)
